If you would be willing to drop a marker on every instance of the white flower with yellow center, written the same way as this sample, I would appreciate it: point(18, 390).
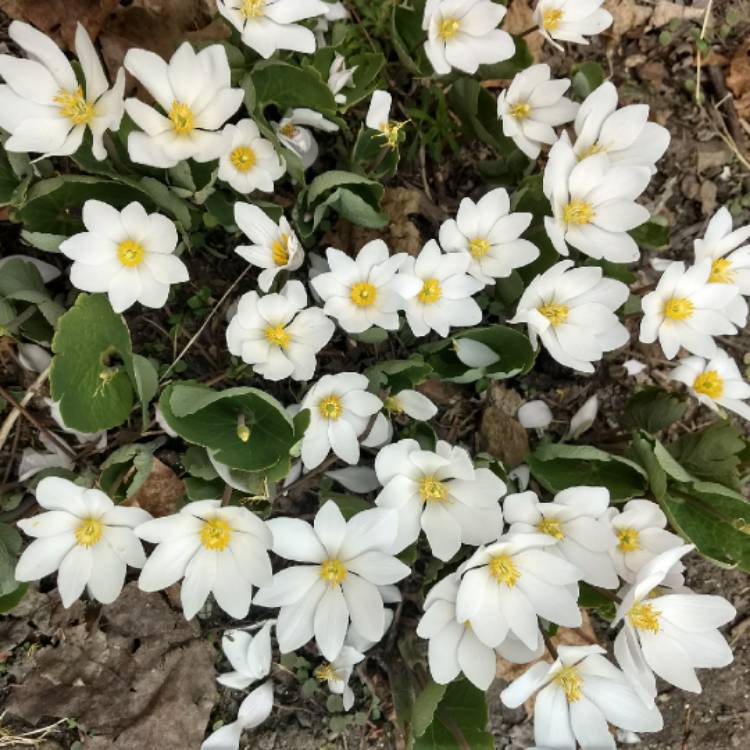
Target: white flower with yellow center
point(412, 403)
point(687, 310)
point(270, 25)
point(670, 634)
point(379, 118)
point(505, 586)
point(728, 250)
point(625, 135)
point(250, 162)
point(336, 673)
point(463, 34)
point(440, 493)
point(278, 335)
point(194, 93)
point(344, 562)
point(490, 235)
point(84, 537)
point(571, 20)
point(579, 695)
point(43, 106)
point(360, 292)
point(293, 130)
point(532, 106)
point(641, 532)
point(213, 549)
point(593, 204)
point(339, 77)
point(715, 382)
point(340, 410)
point(574, 520)
point(437, 291)
point(453, 647)
point(572, 312)
point(275, 247)
point(128, 254)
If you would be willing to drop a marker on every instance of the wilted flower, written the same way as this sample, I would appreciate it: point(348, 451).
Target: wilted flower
point(571, 20)
point(379, 118)
point(250, 162)
point(337, 673)
point(249, 655)
point(254, 710)
point(339, 77)
point(294, 132)
point(534, 415)
point(584, 418)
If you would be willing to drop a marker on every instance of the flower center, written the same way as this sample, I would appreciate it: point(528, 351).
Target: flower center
point(74, 107)
point(89, 532)
point(278, 336)
point(393, 405)
point(215, 534)
point(431, 292)
point(330, 407)
point(130, 253)
point(709, 383)
point(551, 527)
point(503, 570)
point(326, 672)
point(678, 308)
point(390, 131)
point(280, 250)
point(332, 571)
point(448, 28)
point(644, 616)
point(479, 247)
point(579, 213)
point(520, 111)
point(720, 271)
point(556, 314)
point(288, 130)
point(182, 118)
point(432, 490)
point(628, 540)
point(243, 158)
point(591, 150)
point(570, 681)
point(252, 8)
point(363, 294)
point(551, 19)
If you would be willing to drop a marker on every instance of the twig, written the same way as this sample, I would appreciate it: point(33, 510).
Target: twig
point(548, 643)
point(699, 55)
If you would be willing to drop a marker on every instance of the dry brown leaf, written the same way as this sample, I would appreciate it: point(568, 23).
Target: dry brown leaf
point(628, 15)
point(665, 11)
point(500, 434)
point(520, 18)
point(160, 492)
point(738, 79)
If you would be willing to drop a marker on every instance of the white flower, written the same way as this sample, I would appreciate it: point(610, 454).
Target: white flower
point(270, 25)
point(254, 710)
point(128, 254)
point(453, 647)
point(574, 520)
point(250, 656)
point(250, 162)
point(43, 106)
point(578, 695)
point(534, 415)
point(715, 382)
point(441, 493)
point(340, 410)
point(85, 537)
point(195, 95)
point(412, 403)
point(379, 118)
point(593, 204)
point(584, 418)
point(507, 584)
point(463, 34)
point(278, 335)
point(571, 310)
point(474, 354)
point(640, 528)
point(275, 246)
point(633, 367)
point(625, 135)
point(219, 550)
point(339, 77)
point(490, 235)
point(532, 106)
point(344, 563)
point(437, 291)
point(669, 634)
point(299, 139)
point(337, 673)
point(360, 292)
point(687, 309)
point(571, 20)
point(728, 250)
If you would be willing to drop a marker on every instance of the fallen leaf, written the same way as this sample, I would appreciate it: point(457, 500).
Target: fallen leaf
point(628, 15)
point(160, 491)
point(708, 195)
point(520, 18)
point(500, 434)
point(664, 12)
point(738, 79)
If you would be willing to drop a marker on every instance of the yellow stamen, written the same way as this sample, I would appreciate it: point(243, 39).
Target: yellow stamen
point(709, 383)
point(678, 308)
point(363, 294)
point(432, 490)
point(551, 527)
point(243, 431)
point(431, 292)
point(280, 250)
point(242, 158)
point(578, 213)
point(326, 672)
point(503, 570)
point(288, 130)
point(479, 247)
point(89, 532)
point(520, 111)
point(74, 107)
point(571, 682)
point(551, 19)
point(278, 336)
point(555, 313)
point(644, 616)
point(628, 540)
point(393, 405)
point(130, 253)
point(591, 150)
point(448, 28)
point(332, 571)
point(720, 271)
point(330, 407)
point(182, 118)
point(215, 534)
point(252, 8)
point(390, 131)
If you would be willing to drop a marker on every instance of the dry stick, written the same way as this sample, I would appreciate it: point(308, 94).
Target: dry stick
point(699, 56)
point(725, 96)
point(548, 643)
point(15, 413)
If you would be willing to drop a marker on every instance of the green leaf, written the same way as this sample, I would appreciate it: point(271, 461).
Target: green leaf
point(290, 86)
point(643, 449)
point(9, 601)
point(10, 546)
point(653, 409)
point(591, 598)
point(197, 464)
point(92, 372)
point(21, 280)
point(586, 78)
point(653, 235)
point(398, 374)
point(50, 243)
point(425, 705)
point(146, 383)
point(407, 37)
